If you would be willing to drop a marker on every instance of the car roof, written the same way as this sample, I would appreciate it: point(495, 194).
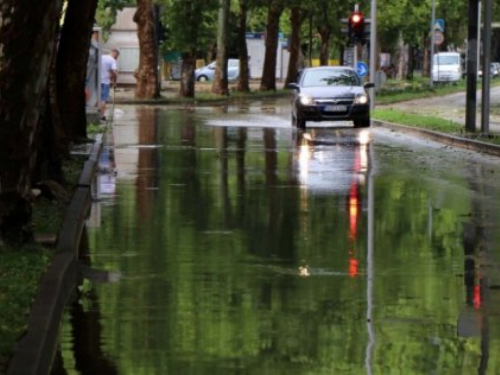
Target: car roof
point(333, 67)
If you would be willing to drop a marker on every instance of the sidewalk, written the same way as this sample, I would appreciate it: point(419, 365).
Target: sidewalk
point(170, 91)
point(452, 107)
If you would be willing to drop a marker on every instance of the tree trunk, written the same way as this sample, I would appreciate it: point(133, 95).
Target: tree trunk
point(27, 35)
point(297, 17)
point(411, 62)
point(324, 54)
point(268, 81)
point(51, 148)
point(426, 66)
point(72, 57)
point(341, 54)
point(147, 74)
point(219, 85)
point(243, 84)
point(188, 67)
point(401, 57)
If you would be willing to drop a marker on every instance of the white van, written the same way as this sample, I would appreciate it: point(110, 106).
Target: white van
point(447, 67)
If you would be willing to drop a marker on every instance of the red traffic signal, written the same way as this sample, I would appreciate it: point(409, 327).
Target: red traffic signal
point(356, 30)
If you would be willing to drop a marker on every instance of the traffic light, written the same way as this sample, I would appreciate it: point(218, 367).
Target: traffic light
point(356, 29)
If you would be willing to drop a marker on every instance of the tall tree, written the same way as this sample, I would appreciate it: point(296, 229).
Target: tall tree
point(190, 24)
point(220, 85)
point(27, 37)
point(275, 9)
point(243, 84)
point(147, 74)
point(71, 67)
point(297, 17)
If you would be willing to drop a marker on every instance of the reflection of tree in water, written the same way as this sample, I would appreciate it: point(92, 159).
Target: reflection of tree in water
point(86, 331)
point(87, 338)
point(148, 161)
point(340, 80)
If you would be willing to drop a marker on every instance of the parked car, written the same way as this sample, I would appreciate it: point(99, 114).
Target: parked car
point(330, 93)
point(494, 70)
point(447, 67)
point(207, 72)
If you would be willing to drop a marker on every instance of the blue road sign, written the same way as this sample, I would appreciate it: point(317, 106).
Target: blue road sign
point(438, 25)
point(361, 68)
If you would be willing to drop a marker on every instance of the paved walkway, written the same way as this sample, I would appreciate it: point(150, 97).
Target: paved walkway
point(452, 107)
point(170, 89)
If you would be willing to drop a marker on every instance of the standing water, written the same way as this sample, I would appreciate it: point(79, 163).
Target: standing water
point(228, 243)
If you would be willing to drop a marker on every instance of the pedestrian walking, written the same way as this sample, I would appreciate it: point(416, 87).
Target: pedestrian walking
point(109, 74)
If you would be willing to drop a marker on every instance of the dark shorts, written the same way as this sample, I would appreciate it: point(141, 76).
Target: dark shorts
point(105, 92)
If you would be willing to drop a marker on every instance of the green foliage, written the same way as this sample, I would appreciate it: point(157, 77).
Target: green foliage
point(20, 273)
point(191, 24)
point(427, 122)
point(401, 90)
point(22, 269)
point(431, 123)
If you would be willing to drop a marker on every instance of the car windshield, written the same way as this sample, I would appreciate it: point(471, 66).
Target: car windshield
point(330, 77)
point(446, 60)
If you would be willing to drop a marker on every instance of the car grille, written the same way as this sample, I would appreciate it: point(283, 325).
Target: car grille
point(332, 101)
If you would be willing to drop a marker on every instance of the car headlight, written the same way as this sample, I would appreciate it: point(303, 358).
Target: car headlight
point(306, 100)
point(361, 99)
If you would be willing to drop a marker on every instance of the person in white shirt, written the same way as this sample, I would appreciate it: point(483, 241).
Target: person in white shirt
point(109, 73)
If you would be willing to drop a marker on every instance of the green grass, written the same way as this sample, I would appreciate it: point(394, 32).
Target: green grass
point(428, 122)
point(21, 269)
point(20, 273)
point(402, 90)
point(397, 91)
point(93, 129)
point(431, 123)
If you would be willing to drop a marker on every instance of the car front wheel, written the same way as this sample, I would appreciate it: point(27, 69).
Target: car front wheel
point(364, 123)
point(202, 79)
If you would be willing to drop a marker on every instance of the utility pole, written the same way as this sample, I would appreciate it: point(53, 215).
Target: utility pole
point(433, 21)
point(472, 43)
point(373, 50)
point(485, 97)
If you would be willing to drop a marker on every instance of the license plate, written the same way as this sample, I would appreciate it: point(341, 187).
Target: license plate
point(335, 108)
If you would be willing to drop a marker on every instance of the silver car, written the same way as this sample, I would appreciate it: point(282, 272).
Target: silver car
point(207, 72)
point(330, 93)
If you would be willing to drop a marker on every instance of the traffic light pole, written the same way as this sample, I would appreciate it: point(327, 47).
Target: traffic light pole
point(373, 50)
point(433, 21)
point(355, 55)
point(472, 47)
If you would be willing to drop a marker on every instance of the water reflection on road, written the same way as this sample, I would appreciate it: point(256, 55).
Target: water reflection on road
point(244, 247)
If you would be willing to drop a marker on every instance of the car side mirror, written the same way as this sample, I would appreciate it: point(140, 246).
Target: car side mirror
point(369, 85)
point(293, 85)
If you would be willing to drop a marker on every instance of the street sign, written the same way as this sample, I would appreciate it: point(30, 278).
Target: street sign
point(361, 68)
point(438, 25)
point(438, 37)
point(349, 56)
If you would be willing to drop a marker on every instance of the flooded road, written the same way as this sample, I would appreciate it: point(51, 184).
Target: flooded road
point(235, 245)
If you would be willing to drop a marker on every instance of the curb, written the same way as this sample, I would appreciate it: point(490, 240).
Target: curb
point(447, 139)
point(35, 352)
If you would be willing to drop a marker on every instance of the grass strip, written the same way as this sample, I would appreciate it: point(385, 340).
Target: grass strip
point(21, 269)
point(433, 123)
